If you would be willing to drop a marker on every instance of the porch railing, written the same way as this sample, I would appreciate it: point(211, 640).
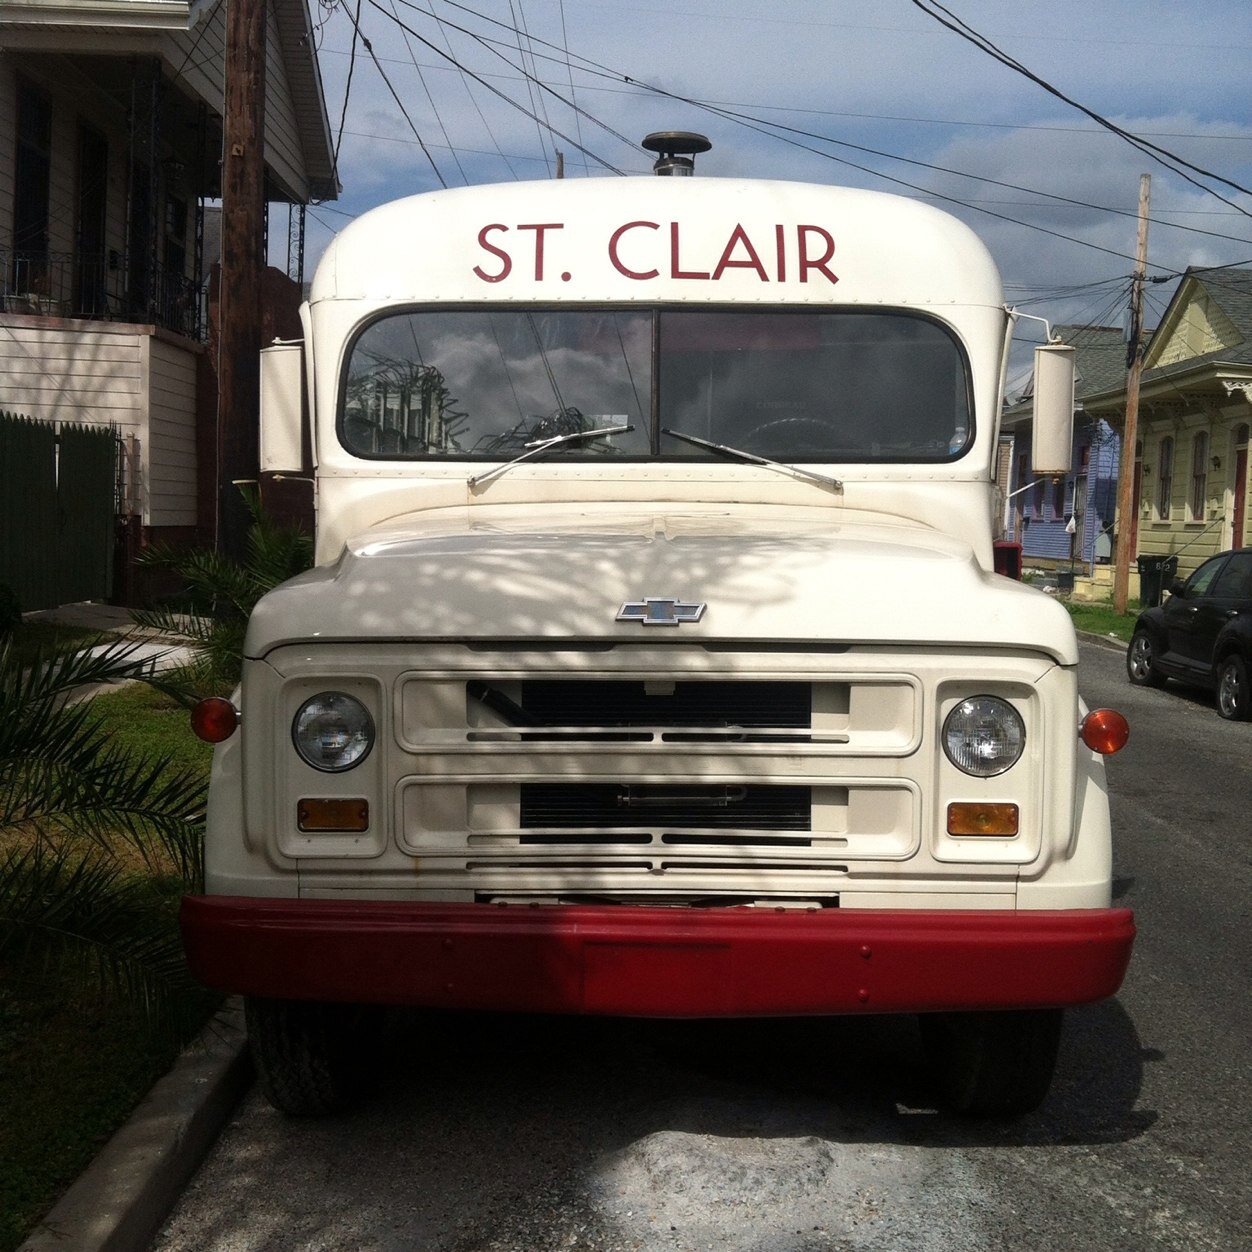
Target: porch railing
point(65, 284)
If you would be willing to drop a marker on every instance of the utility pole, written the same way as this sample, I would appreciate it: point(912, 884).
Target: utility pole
point(1134, 363)
point(243, 263)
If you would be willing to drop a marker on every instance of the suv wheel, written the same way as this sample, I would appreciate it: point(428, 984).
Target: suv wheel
point(1234, 698)
point(1141, 660)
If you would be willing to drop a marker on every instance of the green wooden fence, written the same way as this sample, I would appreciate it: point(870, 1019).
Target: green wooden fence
point(57, 511)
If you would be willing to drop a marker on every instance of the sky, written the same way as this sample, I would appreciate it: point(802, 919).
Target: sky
point(865, 93)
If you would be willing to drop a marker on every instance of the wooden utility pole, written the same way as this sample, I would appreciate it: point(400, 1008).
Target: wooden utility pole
point(1134, 361)
point(243, 264)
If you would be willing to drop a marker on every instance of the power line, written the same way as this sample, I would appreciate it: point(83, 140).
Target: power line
point(478, 78)
point(766, 126)
point(434, 108)
point(1161, 155)
point(530, 90)
point(964, 123)
point(763, 126)
point(347, 91)
point(369, 47)
point(569, 71)
point(482, 117)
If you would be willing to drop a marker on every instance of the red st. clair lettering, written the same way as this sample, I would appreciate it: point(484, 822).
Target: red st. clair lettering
point(812, 247)
point(807, 262)
point(539, 229)
point(618, 264)
point(642, 250)
point(506, 261)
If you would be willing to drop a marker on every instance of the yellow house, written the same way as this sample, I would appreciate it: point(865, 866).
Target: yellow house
point(1191, 473)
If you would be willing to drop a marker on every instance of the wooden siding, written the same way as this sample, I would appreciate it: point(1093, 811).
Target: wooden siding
point(171, 434)
point(284, 151)
point(1192, 541)
point(1198, 328)
point(198, 58)
point(129, 377)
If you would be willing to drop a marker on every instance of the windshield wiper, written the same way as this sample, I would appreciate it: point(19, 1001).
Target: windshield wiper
point(540, 446)
point(751, 458)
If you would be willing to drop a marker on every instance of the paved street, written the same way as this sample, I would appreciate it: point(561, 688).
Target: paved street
point(493, 1135)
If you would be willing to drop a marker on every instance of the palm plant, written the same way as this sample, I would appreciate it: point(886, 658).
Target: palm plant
point(219, 596)
point(74, 810)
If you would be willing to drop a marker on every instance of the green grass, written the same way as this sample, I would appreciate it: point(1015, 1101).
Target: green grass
point(73, 1062)
point(144, 721)
point(1102, 619)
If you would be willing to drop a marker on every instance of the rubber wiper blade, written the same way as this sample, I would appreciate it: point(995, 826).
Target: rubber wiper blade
point(541, 446)
point(751, 458)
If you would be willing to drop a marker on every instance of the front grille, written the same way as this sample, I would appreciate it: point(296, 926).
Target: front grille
point(647, 711)
point(661, 808)
point(667, 774)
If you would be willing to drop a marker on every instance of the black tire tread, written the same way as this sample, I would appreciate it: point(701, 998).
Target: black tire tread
point(993, 1064)
point(307, 1054)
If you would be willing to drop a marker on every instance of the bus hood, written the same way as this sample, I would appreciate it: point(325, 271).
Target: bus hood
point(654, 574)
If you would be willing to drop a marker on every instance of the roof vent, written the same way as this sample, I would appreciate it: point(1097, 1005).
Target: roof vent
point(674, 149)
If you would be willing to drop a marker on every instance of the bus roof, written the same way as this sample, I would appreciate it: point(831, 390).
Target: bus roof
point(650, 239)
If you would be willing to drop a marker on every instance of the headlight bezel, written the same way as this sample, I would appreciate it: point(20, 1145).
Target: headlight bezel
point(362, 730)
point(996, 713)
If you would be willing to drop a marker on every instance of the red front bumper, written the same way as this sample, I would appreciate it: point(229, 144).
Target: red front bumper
point(655, 962)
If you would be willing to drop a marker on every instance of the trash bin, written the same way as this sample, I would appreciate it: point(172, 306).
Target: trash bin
point(1155, 574)
point(1065, 581)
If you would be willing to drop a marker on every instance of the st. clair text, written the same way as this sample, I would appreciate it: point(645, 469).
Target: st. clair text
point(646, 250)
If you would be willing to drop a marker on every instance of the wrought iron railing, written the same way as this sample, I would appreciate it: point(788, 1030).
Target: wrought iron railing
point(64, 284)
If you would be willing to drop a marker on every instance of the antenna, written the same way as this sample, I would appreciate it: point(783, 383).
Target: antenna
point(674, 149)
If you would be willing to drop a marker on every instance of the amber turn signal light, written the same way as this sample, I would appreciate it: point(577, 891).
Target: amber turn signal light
point(995, 820)
point(1104, 731)
point(214, 719)
point(332, 815)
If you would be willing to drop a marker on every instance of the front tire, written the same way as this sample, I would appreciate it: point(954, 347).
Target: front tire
point(1234, 696)
point(311, 1057)
point(1141, 667)
point(992, 1064)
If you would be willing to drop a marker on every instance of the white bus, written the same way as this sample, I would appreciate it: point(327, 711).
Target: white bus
point(655, 661)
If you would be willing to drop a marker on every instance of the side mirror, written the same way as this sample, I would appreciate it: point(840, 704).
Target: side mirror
point(1177, 587)
point(282, 408)
point(1052, 445)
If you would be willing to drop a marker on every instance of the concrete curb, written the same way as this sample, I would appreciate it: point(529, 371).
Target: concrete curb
point(1117, 645)
point(119, 1202)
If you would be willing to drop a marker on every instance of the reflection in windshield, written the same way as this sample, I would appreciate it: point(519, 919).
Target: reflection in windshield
point(788, 385)
point(460, 384)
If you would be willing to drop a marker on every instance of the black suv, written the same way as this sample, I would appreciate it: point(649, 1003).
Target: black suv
point(1202, 634)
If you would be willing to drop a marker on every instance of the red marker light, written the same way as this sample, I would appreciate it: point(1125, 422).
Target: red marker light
point(1104, 731)
point(214, 719)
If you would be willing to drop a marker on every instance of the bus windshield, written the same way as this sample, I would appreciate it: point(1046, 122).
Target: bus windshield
point(830, 386)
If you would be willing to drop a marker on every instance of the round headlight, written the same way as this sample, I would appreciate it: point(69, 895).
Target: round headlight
point(984, 736)
point(333, 731)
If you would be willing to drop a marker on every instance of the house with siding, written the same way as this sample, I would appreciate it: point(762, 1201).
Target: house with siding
point(1191, 473)
point(1040, 508)
point(110, 149)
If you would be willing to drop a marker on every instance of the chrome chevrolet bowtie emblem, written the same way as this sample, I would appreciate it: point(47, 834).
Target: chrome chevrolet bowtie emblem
point(660, 611)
